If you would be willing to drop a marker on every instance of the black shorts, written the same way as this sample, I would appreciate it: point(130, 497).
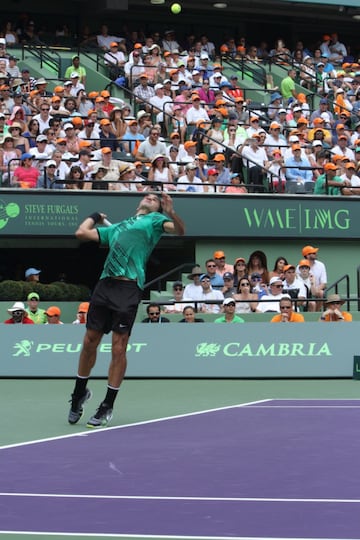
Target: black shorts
point(113, 306)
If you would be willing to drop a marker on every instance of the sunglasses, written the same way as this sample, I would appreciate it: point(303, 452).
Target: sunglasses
point(151, 313)
point(210, 266)
point(45, 109)
point(278, 286)
point(17, 312)
point(33, 299)
point(230, 304)
point(178, 289)
point(285, 307)
point(244, 284)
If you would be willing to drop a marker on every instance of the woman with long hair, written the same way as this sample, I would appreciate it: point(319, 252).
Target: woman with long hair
point(240, 270)
point(32, 132)
point(160, 172)
point(75, 178)
point(8, 161)
point(278, 270)
point(258, 263)
point(118, 124)
point(20, 142)
point(246, 301)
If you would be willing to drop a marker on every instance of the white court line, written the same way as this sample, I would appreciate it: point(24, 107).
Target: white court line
point(165, 537)
point(160, 536)
point(178, 498)
point(274, 407)
point(143, 423)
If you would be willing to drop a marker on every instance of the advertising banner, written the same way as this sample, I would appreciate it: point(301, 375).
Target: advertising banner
point(189, 350)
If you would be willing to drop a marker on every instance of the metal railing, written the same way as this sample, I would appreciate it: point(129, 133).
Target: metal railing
point(47, 57)
point(177, 271)
point(246, 67)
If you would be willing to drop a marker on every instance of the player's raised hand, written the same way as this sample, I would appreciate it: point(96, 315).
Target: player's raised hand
point(167, 203)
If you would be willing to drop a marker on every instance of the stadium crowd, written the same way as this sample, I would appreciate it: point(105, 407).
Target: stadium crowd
point(185, 125)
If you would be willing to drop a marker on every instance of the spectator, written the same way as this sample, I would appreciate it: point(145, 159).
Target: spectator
point(194, 290)
point(53, 314)
point(18, 315)
point(178, 300)
point(329, 183)
point(223, 178)
point(288, 86)
point(318, 270)
point(246, 301)
point(217, 281)
point(107, 138)
point(160, 173)
point(256, 285)
point(104, 39)
point(189, 316)
point(258, 264)
point(299, 175)
point(149, 148)
point(270, 301)
point(333, 313)
point(36, 314)
point(75, 66)
point(278, 270)
point(286, 313)
point(209, 294)
point(32, 274)
point(293, 286)
point(189, 182)
point(255, 160)
point(81, 314)
point(221, 265)
point(308, 280)
point(154, 314)
point(228, 290)
point(239, 270)
point(26, 176)
point(229, 313)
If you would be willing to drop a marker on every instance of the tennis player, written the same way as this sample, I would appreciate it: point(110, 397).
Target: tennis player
point(116, 297)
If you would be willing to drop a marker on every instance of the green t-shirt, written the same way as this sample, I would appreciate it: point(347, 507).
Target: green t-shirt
point(38, 317)
point(131, 242)
point(287, 85)
point(320, 186)
point(222, 319)
point(80, 70)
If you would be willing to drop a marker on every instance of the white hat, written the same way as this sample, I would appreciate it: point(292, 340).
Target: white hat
point(158, 86)
point(317, 143)
point(228, 301)
point(204, 56)
point(41, 138)
point(74, 75)
point(293, 138)
point(297, 108)
point(67, 83)
point(51, 162)
point(282, 111)
point(325, 116)
point(68, 126)
point(40, 81)
point(339, 91)
point(275, 280)
point(3, 41)
point(140, 114)
point(18, 306)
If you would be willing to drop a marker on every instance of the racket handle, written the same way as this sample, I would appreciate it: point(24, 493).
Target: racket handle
point(106, 222)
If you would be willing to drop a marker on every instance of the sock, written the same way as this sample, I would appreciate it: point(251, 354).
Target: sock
point(80, 386)
point(110, 396)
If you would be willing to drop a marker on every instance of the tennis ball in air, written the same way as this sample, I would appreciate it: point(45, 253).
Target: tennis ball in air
point(175, 8)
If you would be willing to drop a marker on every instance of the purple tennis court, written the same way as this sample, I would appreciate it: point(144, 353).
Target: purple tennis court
point(270, 469)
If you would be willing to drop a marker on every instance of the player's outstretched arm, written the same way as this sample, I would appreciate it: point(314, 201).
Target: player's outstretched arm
point(176, 226)
point(86, 230)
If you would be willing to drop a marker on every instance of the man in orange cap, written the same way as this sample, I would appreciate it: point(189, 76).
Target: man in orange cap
point(221, 265)
point(82, 313)
point(53, 314)
point(329, 183)
point(317, 271)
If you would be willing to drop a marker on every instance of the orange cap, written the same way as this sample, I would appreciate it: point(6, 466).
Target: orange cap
point(218, 254)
